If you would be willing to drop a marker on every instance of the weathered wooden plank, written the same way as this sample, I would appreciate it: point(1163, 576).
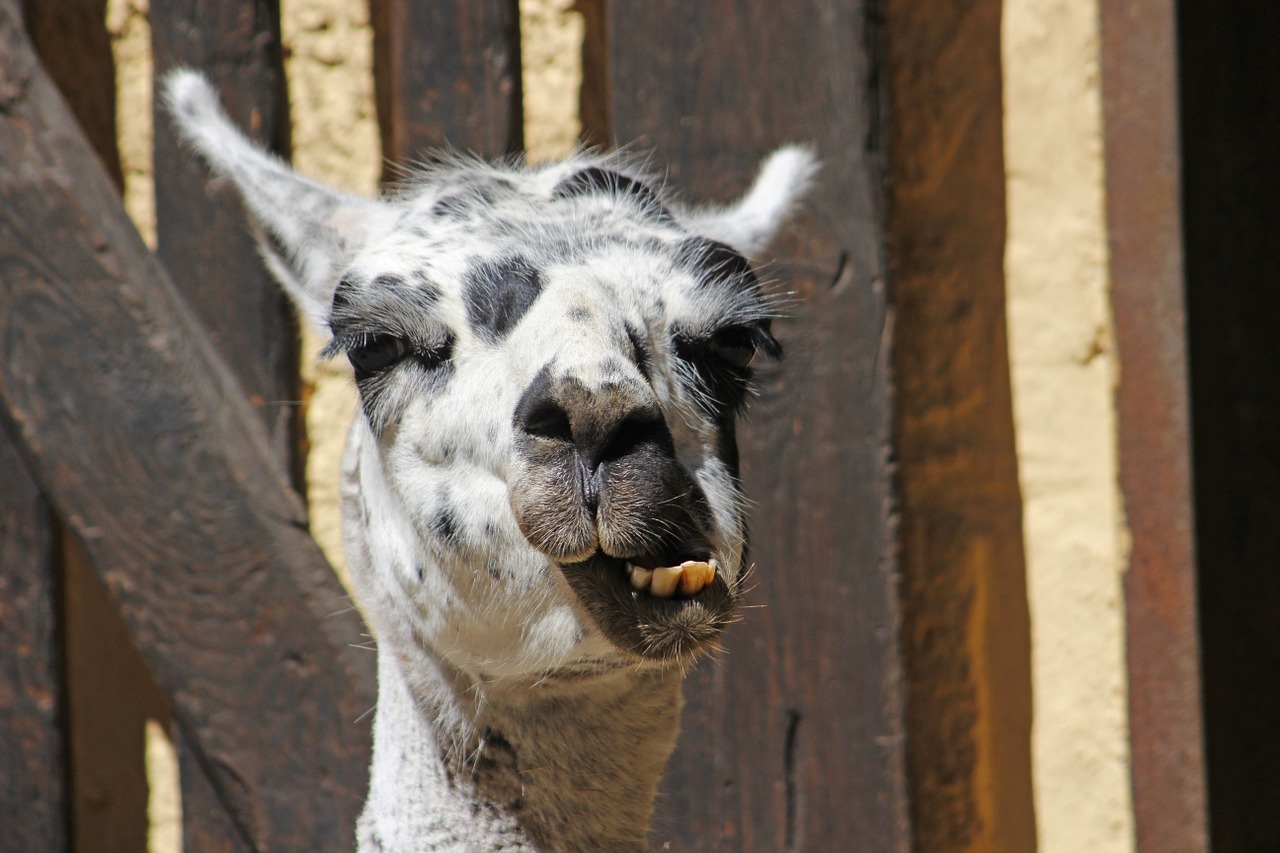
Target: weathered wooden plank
point(447, 73)
point(965, 620)
point(204, 242)
point(34, 793)
point(75, 48)
point(206, 826)
point(141, 438)
point(1144, 221)
point(108, 693)
point(201, 233)
point(795, 741)
point(1229, 132)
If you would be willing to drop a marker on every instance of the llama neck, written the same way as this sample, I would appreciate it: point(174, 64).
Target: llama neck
point(545, 767)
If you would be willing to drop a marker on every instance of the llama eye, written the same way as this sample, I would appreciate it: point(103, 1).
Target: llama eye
point(378, 352)
point(735, 346)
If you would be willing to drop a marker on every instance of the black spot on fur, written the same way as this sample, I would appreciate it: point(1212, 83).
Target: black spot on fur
point(446, 526)
point(498, 295)
point(388, 281)
point(579, 314)
point(713, 261)
point(604, 181)
point(388, 294)
point(450, 205)
point(343, 293)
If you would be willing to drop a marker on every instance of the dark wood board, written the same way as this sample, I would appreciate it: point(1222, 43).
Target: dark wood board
point(34, 793)
point(447, 73)
point(107, 695)
point(1148, 298)
point(74, 45)
point(1228, 80)
point(202, 236)
point(206, 246)
point(175, 495)
point(794, 740)
point(206, 826)
point(965, 620)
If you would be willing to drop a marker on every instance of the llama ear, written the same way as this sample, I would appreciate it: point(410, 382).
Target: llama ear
point(751, 222)
point(306, 231)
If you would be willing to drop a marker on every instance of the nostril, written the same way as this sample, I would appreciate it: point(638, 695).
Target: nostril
point(547, 420)
point(640, 428)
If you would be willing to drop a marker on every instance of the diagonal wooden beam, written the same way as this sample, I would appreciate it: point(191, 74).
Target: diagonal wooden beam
point(34, 787)
point(143, 441)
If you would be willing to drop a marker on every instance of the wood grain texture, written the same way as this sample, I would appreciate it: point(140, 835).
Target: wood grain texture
point(794, 740)
point(34, 792)
point(447, 73)
point(206, 826)
point(72, 40)
point(108, 692)
point(202, 236)
point(205, 243)
point(141, 438)
point(1148, 297)
point(966, 623)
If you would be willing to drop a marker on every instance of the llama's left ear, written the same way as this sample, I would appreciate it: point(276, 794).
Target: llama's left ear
point(307, 231)
point(751, 222)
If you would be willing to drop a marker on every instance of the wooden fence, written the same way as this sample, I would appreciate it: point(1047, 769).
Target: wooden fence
point(851, 710)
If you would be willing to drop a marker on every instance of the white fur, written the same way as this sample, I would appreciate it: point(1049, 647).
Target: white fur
point(749, 224)
point(486, 655)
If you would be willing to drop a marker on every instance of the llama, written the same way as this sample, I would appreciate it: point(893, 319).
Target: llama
point(540, 497)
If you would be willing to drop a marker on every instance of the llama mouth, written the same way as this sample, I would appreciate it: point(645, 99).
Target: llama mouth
point(656, 607)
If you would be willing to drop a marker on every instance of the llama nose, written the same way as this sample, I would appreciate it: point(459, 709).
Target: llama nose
point(602, 425)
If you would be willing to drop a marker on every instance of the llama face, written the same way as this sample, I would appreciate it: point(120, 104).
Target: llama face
point(549, 363)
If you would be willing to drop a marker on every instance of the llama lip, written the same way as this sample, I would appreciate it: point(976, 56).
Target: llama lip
point(651, 625)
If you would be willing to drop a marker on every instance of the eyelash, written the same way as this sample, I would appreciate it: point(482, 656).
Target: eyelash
point(721, 361)
point(372, 354)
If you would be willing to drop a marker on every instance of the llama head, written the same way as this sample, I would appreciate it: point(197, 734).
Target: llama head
point(549, 363)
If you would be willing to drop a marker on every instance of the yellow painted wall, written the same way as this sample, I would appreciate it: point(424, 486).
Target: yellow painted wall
point(1063, 370)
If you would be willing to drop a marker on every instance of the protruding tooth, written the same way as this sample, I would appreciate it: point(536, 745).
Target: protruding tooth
point(640, 576)
point(665, 580)
point(711, 570)
point(694, 576)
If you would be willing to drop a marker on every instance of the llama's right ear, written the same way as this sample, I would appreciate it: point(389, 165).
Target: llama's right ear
point(751, 222)
point(307, 231)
